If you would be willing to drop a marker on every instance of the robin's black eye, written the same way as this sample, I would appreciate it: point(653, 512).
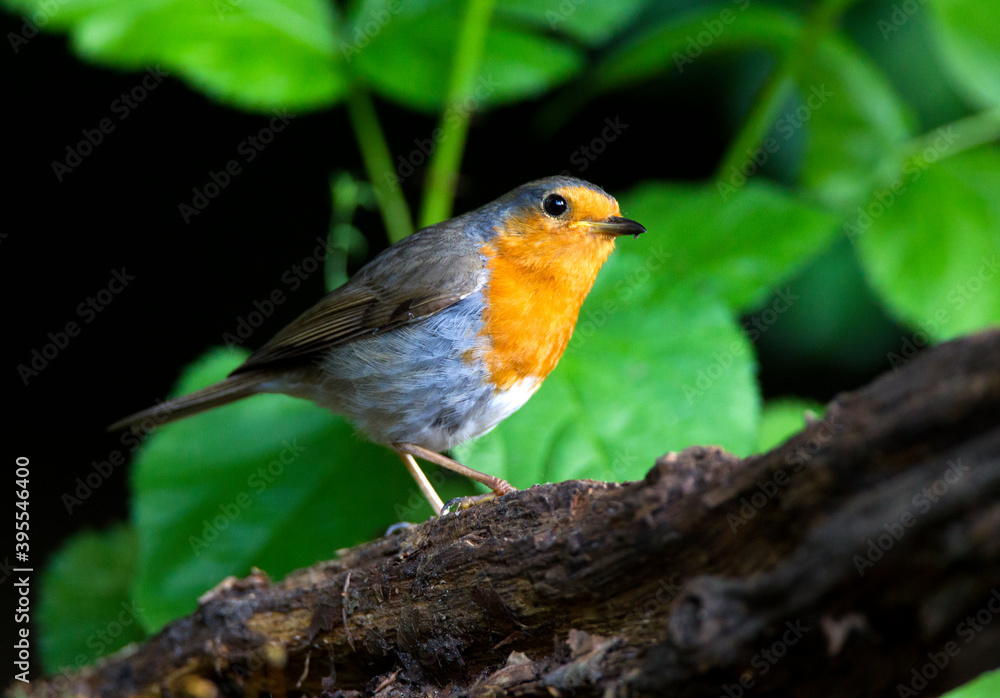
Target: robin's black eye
point(555, 205)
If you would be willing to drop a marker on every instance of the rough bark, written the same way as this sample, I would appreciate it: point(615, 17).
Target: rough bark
point(861, 556)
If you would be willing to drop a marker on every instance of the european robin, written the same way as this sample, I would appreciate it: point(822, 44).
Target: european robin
point(446, 333)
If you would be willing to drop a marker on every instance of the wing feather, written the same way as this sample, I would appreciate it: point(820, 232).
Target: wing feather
point(409, 281)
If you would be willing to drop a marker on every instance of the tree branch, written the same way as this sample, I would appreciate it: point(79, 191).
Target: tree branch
point(860, 556)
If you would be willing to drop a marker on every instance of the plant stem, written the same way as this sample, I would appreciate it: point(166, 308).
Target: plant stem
point(378, 164)
point(439, 193)
point(780, 85)
point(968, 133)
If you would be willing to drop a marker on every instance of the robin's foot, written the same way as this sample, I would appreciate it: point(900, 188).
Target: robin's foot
point(397, 527)
point(459, 503)
point(407, 451)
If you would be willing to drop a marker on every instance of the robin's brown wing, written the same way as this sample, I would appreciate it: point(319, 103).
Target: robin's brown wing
point(425, 273)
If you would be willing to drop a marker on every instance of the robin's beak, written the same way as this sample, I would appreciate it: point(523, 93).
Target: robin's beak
point(616, 225)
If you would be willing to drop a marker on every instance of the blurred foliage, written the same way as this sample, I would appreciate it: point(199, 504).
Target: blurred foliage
point(865, 154)
point(782, 419)
point(986, 686)
point(87, 608)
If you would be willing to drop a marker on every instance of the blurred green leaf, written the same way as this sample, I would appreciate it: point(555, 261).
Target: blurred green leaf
point(66, 14)
point(782, 419)
point(671, 46)
point(628, 389)
point(930, 243)
point(271, 482)
point(855, 333)
point(849, 111)
point(518, 65)
point(255, 54)
point(986, 686)
point(967, 33)
point(852, 119)
point(590, 21)
point(902, 46)
point(409, 60)
point(728, 242)
point(344, 241)
point(86, 609)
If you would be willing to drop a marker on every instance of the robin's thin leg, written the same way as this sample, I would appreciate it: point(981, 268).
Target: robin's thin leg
point(498, 486)
point(422, 482)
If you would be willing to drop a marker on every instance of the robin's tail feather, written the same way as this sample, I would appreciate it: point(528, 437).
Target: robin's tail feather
point(232, 388)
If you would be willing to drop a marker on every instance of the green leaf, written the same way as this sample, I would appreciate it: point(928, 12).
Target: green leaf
point(593, 21)
point(847, 111)
point(671, 46)
point(409, 59)
point(86, 609)
point(255, 54)
point(735, 244)
point(519, 65)
point(967, 37)
point(855, 334)
point(986, 686)
point(852, 118)
point(903, 47)
point(653, 366)
point(932, 250)
point(782, 419)
point(270, 481)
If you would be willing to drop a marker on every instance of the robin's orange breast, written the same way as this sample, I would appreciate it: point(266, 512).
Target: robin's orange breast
point(538, 279)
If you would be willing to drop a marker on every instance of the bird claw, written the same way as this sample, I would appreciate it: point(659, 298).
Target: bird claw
point(461, 503)
point(397, 527)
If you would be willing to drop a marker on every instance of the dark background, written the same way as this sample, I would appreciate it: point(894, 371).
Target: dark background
point(119, 210)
